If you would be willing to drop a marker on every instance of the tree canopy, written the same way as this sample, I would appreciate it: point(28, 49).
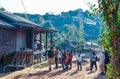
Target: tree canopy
point(110, 11)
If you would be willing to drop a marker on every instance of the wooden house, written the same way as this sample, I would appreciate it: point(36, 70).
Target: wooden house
point(17, 40)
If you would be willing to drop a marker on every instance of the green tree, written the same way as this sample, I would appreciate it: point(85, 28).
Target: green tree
point(41, 19)
point(110, 11)
point(2, 9)
point(81, 32)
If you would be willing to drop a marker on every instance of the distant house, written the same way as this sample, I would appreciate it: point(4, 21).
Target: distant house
point(18, 38)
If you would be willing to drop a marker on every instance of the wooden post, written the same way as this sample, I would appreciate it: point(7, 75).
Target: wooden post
point(32, 58)
point(40, 57)
point(0, 57)
point(24, 59)
point(40, 46)
point(37, 58)
point(33, 47)
point(51, 40)
point(46, 45)
point(40, 41)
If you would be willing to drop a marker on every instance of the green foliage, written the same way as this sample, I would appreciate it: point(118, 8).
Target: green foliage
point(105, 40)
point(118, 19)
point(71, 34)
point(2, 9)
point(110, 72)
point(43, 38)
point(74, 26)
point(110, 10)
point(41, 19)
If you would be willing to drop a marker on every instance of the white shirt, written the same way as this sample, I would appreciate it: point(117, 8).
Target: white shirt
point(59, 53)
point(102, 58)
point(35, 45)
point(79, 58)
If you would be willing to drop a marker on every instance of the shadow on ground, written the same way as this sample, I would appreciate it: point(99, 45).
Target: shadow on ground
point(6, 70)
point(91, 72)
point(59, 72)
point(73, 73)
point(41, 73)
point(99, 77)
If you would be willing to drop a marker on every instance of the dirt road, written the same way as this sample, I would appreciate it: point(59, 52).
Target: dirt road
point(43, 73)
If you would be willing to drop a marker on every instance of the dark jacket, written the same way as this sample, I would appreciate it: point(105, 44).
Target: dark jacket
point(50, 54)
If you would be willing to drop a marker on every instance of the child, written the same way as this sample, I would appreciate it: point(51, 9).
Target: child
point(79, 61)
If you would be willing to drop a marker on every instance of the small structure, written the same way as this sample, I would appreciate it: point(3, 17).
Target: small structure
point(91, 45)
point(18, 40)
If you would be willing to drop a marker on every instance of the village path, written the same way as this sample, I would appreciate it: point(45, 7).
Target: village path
point(43, 73)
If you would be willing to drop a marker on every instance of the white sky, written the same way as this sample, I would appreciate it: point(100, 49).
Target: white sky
point(43, 6)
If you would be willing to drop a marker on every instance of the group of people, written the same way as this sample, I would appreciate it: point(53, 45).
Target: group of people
point(103, 60)
point(65, 58)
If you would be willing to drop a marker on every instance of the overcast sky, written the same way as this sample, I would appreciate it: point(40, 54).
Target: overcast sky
point(43, 6)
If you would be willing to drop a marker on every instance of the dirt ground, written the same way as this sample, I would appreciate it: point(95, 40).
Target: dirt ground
point(44, 73)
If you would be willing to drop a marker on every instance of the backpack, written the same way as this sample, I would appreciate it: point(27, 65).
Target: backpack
point(50, 54)
point(94, 58)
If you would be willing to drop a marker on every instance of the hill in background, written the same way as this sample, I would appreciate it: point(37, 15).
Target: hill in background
point(73, 26)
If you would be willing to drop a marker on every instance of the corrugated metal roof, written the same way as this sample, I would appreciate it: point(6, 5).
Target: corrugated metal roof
point(2, 22)
point(5, 24)
point(17, 19)
point(20, 21)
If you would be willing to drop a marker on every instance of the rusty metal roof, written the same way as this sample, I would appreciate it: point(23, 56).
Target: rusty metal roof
point(11, 20)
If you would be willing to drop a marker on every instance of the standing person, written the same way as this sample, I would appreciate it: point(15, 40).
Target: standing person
point(56, 57)
point(64, 60)
point(50, 57)
point(91, 58)
point(70, 59)
point(60, 57)
point(79, 61)
point(101, 62)
point(93, 61)
point(107, 59)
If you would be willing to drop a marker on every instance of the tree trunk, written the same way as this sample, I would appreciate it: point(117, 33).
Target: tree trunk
point(116, 54)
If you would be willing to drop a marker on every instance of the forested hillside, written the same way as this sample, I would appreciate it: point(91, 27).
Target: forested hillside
point(73, 26)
